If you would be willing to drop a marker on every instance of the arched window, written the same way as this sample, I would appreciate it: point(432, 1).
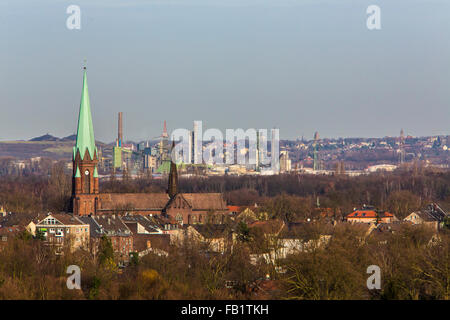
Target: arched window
point(179, 218)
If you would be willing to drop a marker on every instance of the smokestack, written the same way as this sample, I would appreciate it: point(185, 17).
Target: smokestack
point(165, 135)
point(120, 136)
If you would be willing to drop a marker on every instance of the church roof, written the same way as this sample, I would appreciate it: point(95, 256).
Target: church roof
point(85, 131)
point(202, 201)
point(136, 201)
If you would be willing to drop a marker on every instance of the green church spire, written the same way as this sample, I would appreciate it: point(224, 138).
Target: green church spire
point(77, 173)
point(85, 132)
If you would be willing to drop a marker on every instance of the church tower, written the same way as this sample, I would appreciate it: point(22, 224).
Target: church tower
point(85, 160)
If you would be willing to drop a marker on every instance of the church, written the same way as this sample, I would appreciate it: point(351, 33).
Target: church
point(185, 208)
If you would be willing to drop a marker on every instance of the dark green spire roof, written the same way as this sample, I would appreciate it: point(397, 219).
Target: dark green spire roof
point(85, 132)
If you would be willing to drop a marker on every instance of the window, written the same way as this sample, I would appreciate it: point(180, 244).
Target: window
point(49, 221)
point(4, 238)
point(179, 218)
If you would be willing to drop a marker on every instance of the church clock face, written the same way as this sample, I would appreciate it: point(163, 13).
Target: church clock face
point(86, 172)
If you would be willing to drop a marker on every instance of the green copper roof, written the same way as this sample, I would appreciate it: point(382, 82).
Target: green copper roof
point(164, 167)
point(95, 173)
point(77, 173)
point(85, 132)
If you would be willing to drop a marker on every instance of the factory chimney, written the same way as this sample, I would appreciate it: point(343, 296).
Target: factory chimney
point(120, 130)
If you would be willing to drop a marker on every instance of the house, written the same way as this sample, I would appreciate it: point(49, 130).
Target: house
point(216, 236)
point(18, 222)
point(148, 235)
point(251, 214)
point(112, 227)
point(234, 210)
point(382, 232)
point(59, 229)
point(139, 224)
point(368, 214)
point(432, 215)
point(302, 236)
point(158, 244)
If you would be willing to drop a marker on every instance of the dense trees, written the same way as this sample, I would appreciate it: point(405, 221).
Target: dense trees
point(414, 264)
point(400, 192)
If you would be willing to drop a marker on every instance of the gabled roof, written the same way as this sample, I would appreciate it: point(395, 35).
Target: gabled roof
point(369, 214)
point(234, 209)
point(211, 231)
point(273, 226)
point(132, 220)
point(201, 201)
point(110, 225)
point(205, 201)
point(431, 213)
point(62, 219)
point(18, 219)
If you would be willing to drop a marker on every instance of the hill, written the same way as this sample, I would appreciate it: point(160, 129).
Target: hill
point(45, 137)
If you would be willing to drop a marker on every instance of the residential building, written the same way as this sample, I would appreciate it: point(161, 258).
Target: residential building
point(432, 215)
point(61, 229)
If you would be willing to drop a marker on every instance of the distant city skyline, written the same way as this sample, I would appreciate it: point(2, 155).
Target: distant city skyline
point(298, 65)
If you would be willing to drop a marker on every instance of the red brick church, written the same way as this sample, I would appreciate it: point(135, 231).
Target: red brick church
point(187, 208)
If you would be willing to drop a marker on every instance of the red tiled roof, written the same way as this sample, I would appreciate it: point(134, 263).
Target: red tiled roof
point(234, 208)
point(369, 214)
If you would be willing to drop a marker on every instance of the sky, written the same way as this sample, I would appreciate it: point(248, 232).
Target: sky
point(297, 65)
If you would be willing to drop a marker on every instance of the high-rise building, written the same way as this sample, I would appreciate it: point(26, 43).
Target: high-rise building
point(190, 147)
point(275, 150)
point(197, 142)
point(285, 162)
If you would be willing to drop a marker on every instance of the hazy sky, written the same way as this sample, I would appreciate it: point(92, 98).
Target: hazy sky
point(299, 65)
